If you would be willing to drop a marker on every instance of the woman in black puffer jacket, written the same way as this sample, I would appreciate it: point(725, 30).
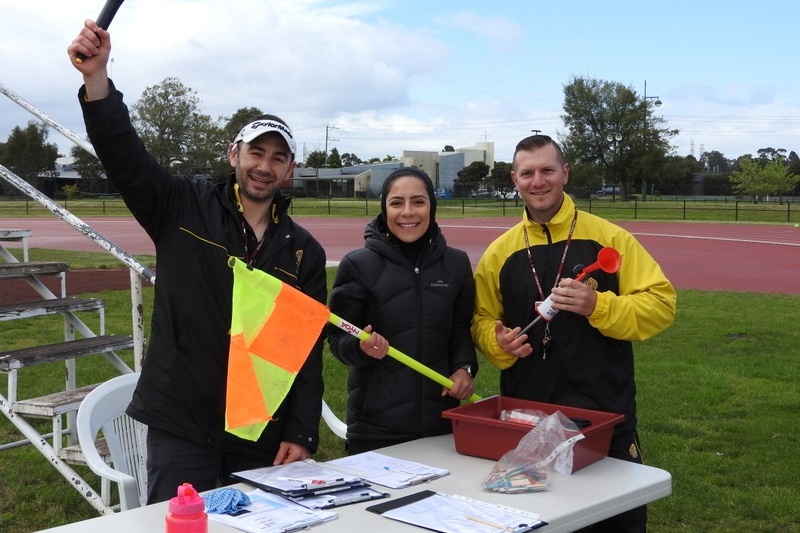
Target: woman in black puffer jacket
point(413, 292)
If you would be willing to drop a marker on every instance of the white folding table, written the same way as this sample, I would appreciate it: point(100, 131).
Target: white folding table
point(598, 491)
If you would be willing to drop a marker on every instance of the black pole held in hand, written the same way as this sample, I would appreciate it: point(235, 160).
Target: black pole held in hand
point(104, 20)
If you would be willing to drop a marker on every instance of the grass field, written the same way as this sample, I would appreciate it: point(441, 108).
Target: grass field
point(718, 393)
point(718, 396)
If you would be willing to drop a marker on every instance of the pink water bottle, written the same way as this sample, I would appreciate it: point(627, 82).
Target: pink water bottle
point(187, 512)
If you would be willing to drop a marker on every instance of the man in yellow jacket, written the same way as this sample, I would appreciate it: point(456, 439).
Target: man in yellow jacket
point(581, 355)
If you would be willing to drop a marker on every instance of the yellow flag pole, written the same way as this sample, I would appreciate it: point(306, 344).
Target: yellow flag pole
point(398, 355)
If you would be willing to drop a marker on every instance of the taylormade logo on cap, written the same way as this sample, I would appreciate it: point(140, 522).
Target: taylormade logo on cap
point(260, 127)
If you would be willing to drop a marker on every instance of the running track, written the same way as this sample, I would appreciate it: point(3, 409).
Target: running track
point(708, 256)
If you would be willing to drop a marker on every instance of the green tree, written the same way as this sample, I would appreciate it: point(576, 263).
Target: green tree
point(746, 180)
point(500, 177)
point(794, 163)
point(93, 175)
point(180, 137)
point(584, 178)
point(208, 151)
point(759, 178)
point(794, 168)
point(783, 178)
point(470, 178)
point(594, 109)
point(27, 154)
point(71, 192)
point(679, 171)
point(316, 160)
point(351, 160)
point(85, 164)
point(334, 160)
point(716, 162)
point(771, 154)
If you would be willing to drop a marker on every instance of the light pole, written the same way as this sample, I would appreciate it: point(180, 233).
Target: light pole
point(614, 139)
point(656, 103)
point(536, 132)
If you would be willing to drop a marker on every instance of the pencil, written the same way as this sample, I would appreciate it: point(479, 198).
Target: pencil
point(489, 523)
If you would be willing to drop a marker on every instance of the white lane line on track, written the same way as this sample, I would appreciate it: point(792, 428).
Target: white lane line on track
point(713, 238)
point(697, 237)
point(459, 226)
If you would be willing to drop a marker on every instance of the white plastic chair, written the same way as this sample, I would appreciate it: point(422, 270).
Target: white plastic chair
point(104, 409)
point(338, 427)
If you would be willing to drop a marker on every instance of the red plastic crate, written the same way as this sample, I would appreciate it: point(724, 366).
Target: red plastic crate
point(478, 430)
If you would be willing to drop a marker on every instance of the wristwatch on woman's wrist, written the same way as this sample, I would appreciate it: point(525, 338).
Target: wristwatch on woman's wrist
point(469, 370)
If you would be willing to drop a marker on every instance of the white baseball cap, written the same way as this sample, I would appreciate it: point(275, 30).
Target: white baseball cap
point(260, 127)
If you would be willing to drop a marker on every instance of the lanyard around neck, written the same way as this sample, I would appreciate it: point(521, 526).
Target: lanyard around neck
point(563, 256)
point(250, 257)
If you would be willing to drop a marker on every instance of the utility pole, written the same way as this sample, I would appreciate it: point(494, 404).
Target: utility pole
point(328, 128)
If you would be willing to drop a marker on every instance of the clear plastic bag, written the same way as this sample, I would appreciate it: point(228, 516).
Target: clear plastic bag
point(530, 417)
point(546, 450)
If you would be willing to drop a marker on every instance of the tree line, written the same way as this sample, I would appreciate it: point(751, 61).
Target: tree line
point(612, 137)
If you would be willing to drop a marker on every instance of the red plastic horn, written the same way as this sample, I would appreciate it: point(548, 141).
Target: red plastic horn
point(608, 260)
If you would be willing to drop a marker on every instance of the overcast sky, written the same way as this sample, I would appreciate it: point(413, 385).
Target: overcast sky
point(394, 75)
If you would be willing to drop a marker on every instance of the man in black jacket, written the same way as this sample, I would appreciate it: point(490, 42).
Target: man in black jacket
point(196, 226)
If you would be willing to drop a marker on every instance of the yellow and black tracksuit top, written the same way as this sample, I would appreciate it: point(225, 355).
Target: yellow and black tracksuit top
point(589, 360)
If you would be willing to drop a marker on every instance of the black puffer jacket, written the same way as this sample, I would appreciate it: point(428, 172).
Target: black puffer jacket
point(424, 311)
point(196, 227)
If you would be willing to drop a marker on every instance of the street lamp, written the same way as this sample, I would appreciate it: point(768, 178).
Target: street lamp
point(536, 132)
point(657, 103)
point(614, 139)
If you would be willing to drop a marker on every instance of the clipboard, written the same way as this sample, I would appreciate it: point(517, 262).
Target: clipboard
point(340, 498)
point(447, 513)
point(301, 478)
point(387, 471)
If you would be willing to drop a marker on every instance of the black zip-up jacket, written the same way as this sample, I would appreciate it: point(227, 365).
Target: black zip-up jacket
point(196, 227)
point(423, 310)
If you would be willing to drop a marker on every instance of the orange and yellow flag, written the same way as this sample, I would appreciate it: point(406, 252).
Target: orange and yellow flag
point(273, 329)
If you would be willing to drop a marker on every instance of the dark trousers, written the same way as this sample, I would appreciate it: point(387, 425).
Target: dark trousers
point(635, 520)
point(172, 461)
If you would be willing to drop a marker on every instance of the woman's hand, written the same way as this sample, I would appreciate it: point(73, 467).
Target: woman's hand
point(463, 387)
point(375, 346)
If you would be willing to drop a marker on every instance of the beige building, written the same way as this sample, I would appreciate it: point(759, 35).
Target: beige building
point(366, 180)
point(443, 167)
